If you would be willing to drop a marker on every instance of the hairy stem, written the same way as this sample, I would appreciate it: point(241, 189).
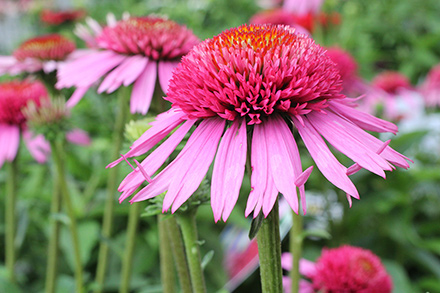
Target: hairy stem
point(10, 218)
point(295, 249)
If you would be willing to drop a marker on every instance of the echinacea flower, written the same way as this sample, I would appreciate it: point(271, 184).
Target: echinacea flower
point(430, 88)
point(393, 92)
point(283, 17)
point(132, 51)
point(343, 269)
point(250, 89)
point(53, 17)
point(14, 97)
point(44, 52)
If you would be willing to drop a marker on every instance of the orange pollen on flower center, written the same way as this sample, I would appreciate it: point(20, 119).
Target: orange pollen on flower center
point(49, 47)
point(366, 266)
point(257, 37)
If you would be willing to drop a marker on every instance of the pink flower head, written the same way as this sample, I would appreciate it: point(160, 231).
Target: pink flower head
point(256, 85)
point(40, 53)
point(283, 17)
point(134, 50)
point(350, 269)
point(52, 17)
point(391, 82)
point(14, 96)
point(430, 89)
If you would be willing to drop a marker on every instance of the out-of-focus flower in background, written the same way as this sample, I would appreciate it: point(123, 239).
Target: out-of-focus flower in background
point(57, 17)
point(430, 88)
point(132, 51)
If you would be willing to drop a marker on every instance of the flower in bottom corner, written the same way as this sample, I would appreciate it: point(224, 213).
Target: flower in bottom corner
point(14, 97)
point(343, 269)
point(247, 93)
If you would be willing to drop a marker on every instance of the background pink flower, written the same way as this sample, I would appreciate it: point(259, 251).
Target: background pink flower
point(255, 85)
point(132, 51)
point(430, 88)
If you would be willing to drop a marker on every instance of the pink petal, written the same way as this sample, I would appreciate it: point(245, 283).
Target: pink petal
point(165, 73)
point(124, 74)
point(362, 119)
point(143, 89)
point(37, 146)
point(228, 170)
point(324, 159)
point(77, 95)
point(79, 137)
point(9, 142)
point(339, 132)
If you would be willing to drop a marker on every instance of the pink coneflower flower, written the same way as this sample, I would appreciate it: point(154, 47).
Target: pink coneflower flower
point(255, 86)
point(283, 17)
point(14, 96)
point(393, 91)
point(53, 17)
point(134, 51)
point(430, 89)
point(347, 66)
point(343, 269)
point(45, 53)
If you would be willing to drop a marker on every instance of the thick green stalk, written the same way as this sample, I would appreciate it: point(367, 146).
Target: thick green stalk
point(269, 251)
point(187, 222)
point(52, 253)
point(107, 222)
point(178, 249)
point(166, 257)
point(130, 242)
point(296, 239)
point(57, 152)
point(11, 193)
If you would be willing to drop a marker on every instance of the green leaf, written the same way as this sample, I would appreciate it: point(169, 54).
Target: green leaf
point(401, 282)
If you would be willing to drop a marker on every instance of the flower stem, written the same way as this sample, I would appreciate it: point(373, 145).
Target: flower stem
point(11, 193)
point(57, 152)
point(166, 258)
point(269, 251)
point(53, 247)
point(133, 221)
point(107, 222)
point(296, 239)
point(178, 249)
point(187, 222)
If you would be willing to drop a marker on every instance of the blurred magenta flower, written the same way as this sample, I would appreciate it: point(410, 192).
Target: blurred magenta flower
point(256, 85)
point(430, 88)
point(46, 52)
point(280, 16)
point(54, 17)
point(132, 51)
point(343, 269)
point(393, 92)
point(14, 97)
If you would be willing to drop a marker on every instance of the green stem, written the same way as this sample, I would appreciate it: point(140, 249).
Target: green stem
point(58, 151)
point(296, 240)
point(269, 251)
point(178, 249)
point(187, 222)
point(130, 243)
point(11, 193)
point(107, 222)
point(53, 247)
point(166, 257)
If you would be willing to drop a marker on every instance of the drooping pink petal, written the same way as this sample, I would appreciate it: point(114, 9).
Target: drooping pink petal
point(125, 74)
point(329, 166)
point(9, 142)
point(153, 135)
point(143, 89)
point(165, 72)
point(362, 119)
point(153, 162)
point(338, 132)
point(79, 137)
point(37, 145)
point(77, 95)
point(185, 182)
point(228, 170)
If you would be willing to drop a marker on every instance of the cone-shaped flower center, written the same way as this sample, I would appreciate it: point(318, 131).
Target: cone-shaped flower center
point(15, 95)
point(391, 81)
point(47, 47)
point(152, 36)
point(254, 71)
